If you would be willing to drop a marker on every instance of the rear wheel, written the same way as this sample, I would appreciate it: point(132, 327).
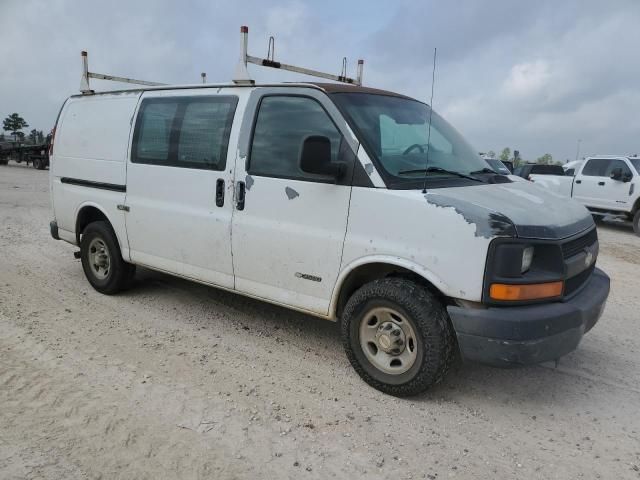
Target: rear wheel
point(36, 164)
point(101, 259)
point(397, 336)
point(636, 223)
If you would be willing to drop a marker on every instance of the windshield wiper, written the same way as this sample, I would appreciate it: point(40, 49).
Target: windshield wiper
point(439, 170)
point(486, 170)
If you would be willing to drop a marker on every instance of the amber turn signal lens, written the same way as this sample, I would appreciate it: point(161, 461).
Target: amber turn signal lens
point(535, 291)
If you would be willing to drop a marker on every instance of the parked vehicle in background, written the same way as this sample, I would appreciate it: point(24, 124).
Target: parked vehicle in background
point(37, 155)
point(526, 170)
point(498, 166)
point(342, 201)
point(606, 185)
point(570, 167)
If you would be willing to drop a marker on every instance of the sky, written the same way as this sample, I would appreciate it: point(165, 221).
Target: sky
point(538, 77)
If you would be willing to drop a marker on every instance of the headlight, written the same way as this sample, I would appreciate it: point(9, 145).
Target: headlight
point(520, 271)
point(527, 258)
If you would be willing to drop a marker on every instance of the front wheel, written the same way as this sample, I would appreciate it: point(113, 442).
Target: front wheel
point(101, 259)
point(636, 223)
point(397, 336)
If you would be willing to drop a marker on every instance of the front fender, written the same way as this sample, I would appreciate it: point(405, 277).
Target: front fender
point(391, 260)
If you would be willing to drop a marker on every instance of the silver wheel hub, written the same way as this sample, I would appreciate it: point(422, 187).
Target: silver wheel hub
point(391, 338)
point(388, 340)
point(99, 258)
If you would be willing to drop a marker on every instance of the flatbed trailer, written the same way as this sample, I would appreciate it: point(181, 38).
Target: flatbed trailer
point(37, 155)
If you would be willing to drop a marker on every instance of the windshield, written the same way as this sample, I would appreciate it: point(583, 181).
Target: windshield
point(636, 163)
point(396, 131)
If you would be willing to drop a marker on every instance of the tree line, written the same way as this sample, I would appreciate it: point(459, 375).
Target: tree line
point(516, 158)
point(14, 124)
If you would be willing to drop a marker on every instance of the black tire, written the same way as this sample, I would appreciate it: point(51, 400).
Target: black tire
point(636, 223)
point(436, 344)
point(36, 164)
point(119, 273)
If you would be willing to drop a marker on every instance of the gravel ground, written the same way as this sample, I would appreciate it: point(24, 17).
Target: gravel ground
point(176, 380)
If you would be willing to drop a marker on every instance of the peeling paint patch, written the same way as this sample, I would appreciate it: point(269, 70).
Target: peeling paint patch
point(248, 181)
point(368, 168)
point(291, 193)
point(488, 224)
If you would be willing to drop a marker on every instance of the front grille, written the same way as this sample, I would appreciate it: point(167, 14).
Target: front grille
point(574, 283)
point(573, 247)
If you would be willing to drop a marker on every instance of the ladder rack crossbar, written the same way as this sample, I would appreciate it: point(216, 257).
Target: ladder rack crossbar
point(242, 76)
point(113, 78)
point(264, 62)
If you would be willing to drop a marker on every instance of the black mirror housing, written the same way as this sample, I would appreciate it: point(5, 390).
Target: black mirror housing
point(315, 157)
point(616, 174)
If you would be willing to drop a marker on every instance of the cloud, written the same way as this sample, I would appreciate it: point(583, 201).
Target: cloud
point(534, 76)
point(527, 79)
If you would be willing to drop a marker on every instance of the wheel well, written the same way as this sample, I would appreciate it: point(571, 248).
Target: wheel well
point(86, 216)
point(375, 271)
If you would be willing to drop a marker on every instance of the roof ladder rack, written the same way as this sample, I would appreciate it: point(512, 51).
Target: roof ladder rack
point(85, 88)
point(242, 77)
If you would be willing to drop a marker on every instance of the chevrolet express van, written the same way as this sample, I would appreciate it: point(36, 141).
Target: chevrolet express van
point(349, 203)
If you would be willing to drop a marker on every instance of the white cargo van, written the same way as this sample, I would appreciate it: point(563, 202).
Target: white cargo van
point(345, 202)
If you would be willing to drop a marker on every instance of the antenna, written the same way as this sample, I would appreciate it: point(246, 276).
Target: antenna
point(203, 75)
point(433, 81)
point(241, 76)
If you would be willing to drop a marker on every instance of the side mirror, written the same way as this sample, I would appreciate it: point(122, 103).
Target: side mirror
point(616, 174)
point(315, 157)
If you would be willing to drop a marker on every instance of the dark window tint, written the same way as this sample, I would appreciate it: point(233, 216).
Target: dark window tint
point(154, 132)
point(547, 170)
point(188, 132)
point(281, 127)
point(617, 164)
point(596, 167)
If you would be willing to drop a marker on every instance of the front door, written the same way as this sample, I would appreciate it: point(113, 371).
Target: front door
point(179, 218)
point(289, 226)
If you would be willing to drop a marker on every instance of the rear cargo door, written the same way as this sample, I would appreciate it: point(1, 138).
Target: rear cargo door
point(178, 184)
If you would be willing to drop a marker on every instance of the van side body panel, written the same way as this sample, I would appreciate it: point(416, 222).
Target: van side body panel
point(88, 165)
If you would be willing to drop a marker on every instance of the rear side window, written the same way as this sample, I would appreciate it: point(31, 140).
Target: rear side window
point(187, 132)
point(282, 124)
point(596, 167)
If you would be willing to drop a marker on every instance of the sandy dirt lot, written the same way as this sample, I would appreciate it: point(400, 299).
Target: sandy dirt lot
point(177, 380)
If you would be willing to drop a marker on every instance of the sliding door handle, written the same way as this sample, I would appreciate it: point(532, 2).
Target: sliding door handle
point(220, 193)
point(240, 194)
point(601, 184)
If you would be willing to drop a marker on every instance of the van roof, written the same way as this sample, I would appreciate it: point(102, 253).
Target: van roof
point(327, 87)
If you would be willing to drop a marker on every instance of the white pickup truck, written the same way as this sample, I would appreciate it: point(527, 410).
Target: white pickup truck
point(605, 184)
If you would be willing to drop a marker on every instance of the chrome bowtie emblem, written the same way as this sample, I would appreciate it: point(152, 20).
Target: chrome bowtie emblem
point(589, 257)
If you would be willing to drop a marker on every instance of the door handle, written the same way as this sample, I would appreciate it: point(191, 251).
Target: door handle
point(578, 181)
point(601, 184)
point(220, 193)
point(240, 194)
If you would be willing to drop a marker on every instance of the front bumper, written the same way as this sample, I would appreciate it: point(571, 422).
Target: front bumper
point(511, 336)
